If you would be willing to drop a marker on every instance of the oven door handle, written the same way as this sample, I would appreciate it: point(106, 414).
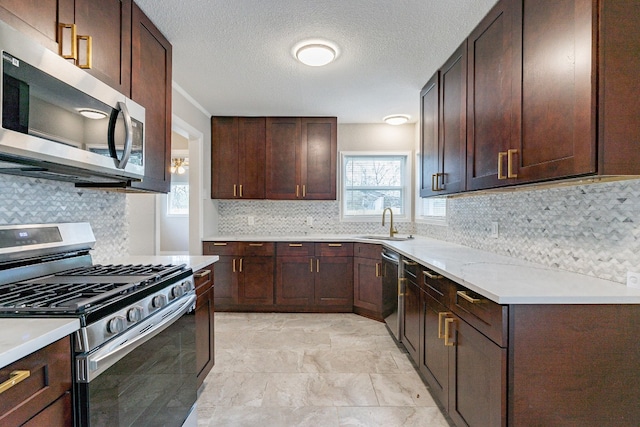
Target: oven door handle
point(92, 365)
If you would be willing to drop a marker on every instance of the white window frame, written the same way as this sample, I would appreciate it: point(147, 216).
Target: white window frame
point(420, 217)
point(407, 188)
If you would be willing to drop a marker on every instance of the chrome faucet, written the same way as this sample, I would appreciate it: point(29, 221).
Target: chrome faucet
point(392, 229)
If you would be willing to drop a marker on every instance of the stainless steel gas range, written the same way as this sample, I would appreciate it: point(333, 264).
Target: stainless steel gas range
point(134, 355)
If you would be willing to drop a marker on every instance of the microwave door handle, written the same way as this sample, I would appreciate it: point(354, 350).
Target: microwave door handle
point(128, 138)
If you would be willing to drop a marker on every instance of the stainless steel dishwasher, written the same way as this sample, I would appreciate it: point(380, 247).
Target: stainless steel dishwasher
point(392, 295)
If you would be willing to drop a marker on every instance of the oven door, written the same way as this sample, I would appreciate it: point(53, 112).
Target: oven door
point(144, 377)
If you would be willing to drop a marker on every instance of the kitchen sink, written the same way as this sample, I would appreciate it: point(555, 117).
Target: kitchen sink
point(394, 238)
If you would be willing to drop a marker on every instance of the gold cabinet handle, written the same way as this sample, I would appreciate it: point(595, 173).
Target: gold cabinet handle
point(400, 283)
point(15, 377)
point(201, 274)
point(433, 183)
point(335, 245)
point(442, 315)
point(377, 269)
point(234, 265)
point(510, 154)
point(317, 266)
point(431, 275)
point(304, 191)
point(219, 244)
point(501, 155)
point(240, 270)
point(409, 263)
point(87, 40)
point(241, 195)
point(463, 295)
point(235, 190)
point(297, 190)
point(437, 176)
point(311, 265)
point(72, 52)
point(256, 244)
point(295, 245)
point(447, 331)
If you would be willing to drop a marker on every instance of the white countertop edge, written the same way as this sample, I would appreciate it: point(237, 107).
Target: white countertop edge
point(502, 279)
point(22, 336)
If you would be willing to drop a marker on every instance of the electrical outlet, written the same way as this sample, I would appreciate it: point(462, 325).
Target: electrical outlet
point(633, 279)
point(251, 220)
point(309, 221)
point(494, 229)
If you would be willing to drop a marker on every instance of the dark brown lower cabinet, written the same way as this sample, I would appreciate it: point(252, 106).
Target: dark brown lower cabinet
point(367, 280)
point(204, 314)
point(411, 331)
point(333, 285)
point(434, 355)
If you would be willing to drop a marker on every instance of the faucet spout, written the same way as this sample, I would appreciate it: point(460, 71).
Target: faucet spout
point(392, 229)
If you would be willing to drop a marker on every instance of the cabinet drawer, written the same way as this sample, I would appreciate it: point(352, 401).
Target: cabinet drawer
point(294, 249)
point(334, 249)
point(258, 248)
point(412, 270)
point(485, 315)
point(367, 250)
point(49, 378)
point(221, 248)
point(203, 279)
point(439, 287)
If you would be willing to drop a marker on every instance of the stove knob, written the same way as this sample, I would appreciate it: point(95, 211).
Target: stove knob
point(159, 301)
point(177, 291)
point(116, 325)
point(186, 285)
point(134, 314)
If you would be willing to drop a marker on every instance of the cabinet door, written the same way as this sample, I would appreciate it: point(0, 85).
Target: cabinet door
point(334, 282)
point(204, 334)
point(411, 319)
point(318, 151)
point(434, 355)
point(491, 118)
point(283, 158)
point(151, 88)
point(430, 126)
point(108, 22)
point(38, 19)
point(367, 287)
point(226, 282)
point(251, 157)
point(453, 122)
point(224, 157)
point(255, 286)
point(477, 378)
point(553, 60)
point(294, 280)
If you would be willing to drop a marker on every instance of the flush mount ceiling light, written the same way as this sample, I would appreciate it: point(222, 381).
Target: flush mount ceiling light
point(178, 165)
point(92, 114)
point(315, 53)
point(396, 119)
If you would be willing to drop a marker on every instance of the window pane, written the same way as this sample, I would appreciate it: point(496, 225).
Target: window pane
point(372, 202)
point(178, 199)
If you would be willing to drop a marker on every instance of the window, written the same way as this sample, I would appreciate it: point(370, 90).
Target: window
point(373, 182)
point(178, 199)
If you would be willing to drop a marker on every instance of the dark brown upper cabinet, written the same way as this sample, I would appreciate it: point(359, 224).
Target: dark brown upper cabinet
point(237, 157)
point(107, 24)
point(301, 158)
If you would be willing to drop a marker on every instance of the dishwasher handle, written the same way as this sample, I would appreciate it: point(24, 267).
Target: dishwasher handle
point(390, 259)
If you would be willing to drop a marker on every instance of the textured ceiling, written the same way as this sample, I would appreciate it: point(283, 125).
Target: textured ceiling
point(234, 56)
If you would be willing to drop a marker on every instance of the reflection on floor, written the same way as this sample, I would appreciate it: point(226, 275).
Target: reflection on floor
point(275, 369)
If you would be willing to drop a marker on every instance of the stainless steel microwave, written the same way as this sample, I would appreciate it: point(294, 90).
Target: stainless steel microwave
point(59, 122)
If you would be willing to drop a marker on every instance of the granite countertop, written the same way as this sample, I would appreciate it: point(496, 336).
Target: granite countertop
point(22, 336)
point(502, 279)
point(194, 262)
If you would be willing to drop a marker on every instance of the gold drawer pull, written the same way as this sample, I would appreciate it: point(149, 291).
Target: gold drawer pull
point(256, 244)
point(378, 269)
point(441, 315)
point(447, 331)
point(510, 154)
point(335, 245)
point(295, 245)
point(463, 295)
point(241, 194)
point(501, 155)
point(84, 60)
point(409, 263)
point(219, 244)
point(15, 377)
point(201, 274)
point(431, 275)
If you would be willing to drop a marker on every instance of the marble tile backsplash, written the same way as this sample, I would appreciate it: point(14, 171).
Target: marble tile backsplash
point(592, 229)
point(32, 200)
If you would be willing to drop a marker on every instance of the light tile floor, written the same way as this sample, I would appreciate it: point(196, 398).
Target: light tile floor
point(282, 369)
